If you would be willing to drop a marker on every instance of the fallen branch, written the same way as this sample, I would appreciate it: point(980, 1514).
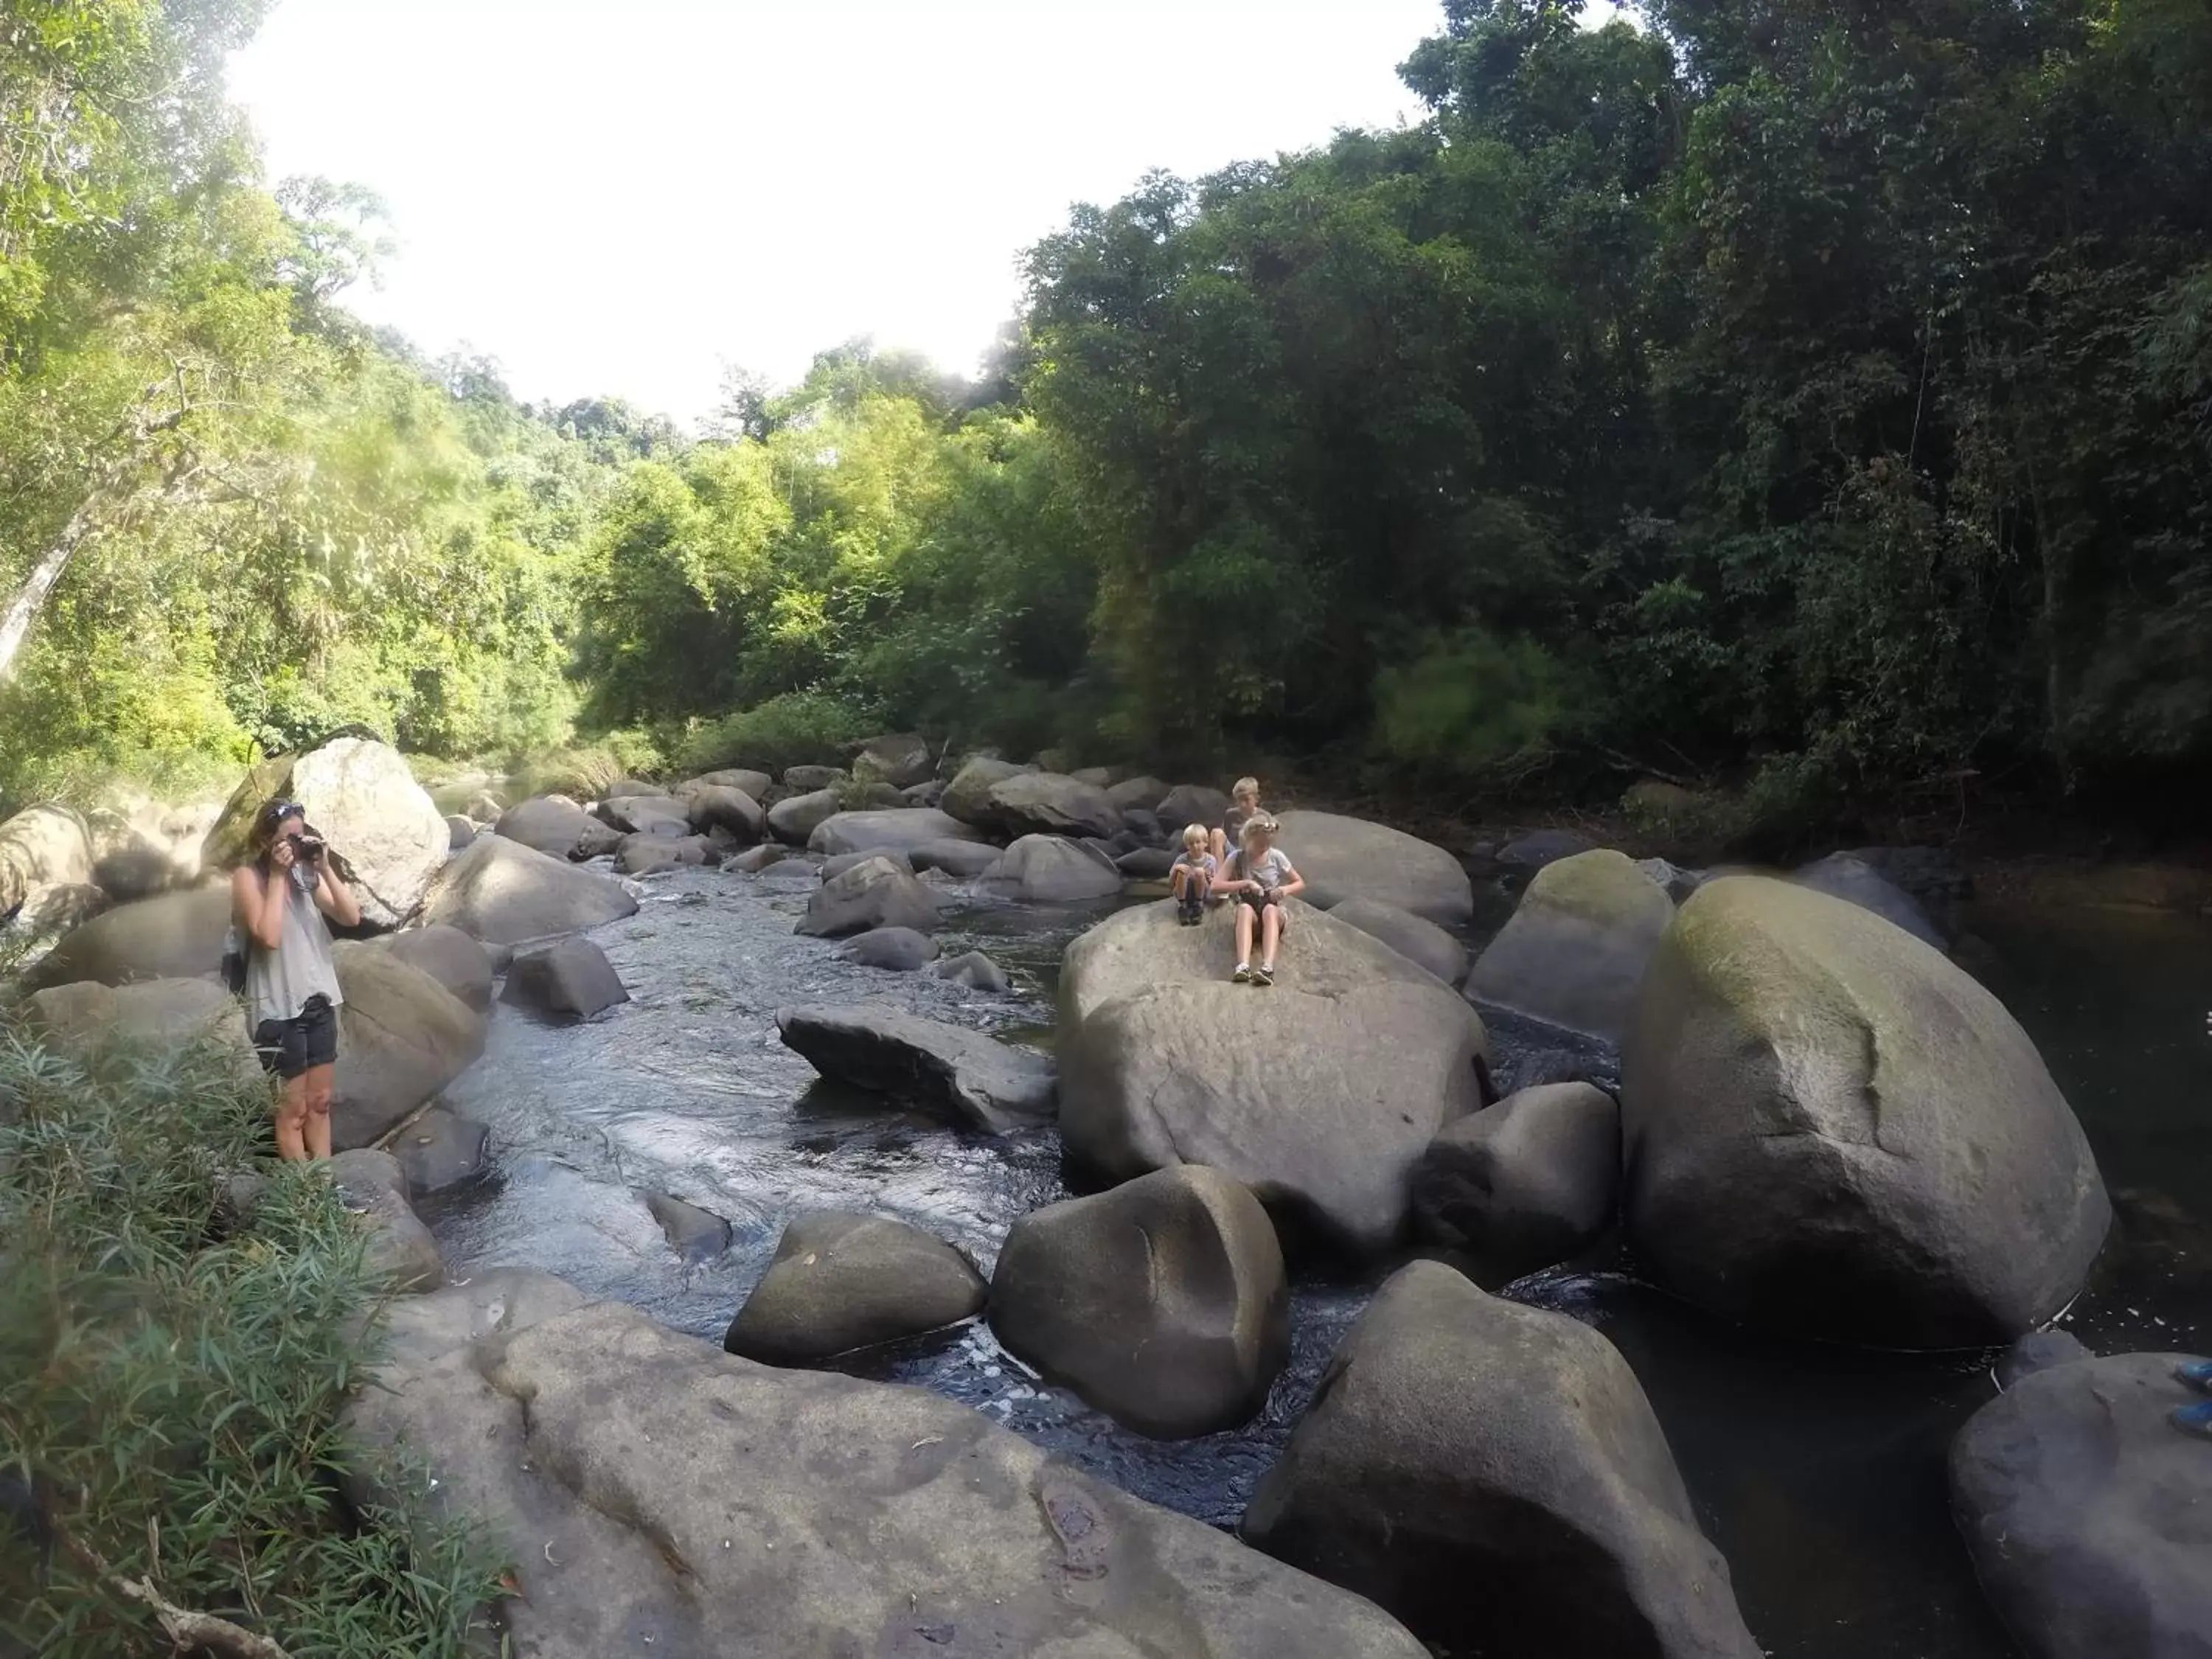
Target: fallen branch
point(185, 1628)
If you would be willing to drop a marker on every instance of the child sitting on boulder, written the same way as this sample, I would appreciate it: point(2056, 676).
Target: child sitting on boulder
point(1190, 879)
point(1260, 877)
point(1245, 798)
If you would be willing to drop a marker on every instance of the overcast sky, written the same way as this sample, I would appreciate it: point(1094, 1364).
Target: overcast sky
point(617, 199)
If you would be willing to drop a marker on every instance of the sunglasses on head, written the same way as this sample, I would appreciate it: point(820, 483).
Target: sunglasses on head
point(278, 810)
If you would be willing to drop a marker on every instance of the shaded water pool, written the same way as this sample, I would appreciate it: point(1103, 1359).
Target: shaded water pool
point(1818, 1471)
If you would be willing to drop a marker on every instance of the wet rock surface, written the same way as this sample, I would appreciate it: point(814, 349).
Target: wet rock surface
point(945, 1068)
point(841, 1281)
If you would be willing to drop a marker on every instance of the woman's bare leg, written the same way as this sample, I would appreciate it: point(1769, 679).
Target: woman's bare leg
point(1218, 844)
point(1271, 935)
point(1243, 934)
point(292, 1119)
point(318, 1080)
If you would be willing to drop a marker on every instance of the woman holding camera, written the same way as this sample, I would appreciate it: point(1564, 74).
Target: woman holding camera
point(279, 897)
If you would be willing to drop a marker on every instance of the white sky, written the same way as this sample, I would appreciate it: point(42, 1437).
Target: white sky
point(618, 198)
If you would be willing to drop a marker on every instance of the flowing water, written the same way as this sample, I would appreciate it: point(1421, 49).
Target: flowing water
point(1818, 1471)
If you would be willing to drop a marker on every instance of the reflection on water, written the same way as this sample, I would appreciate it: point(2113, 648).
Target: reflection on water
point(1818, 1471)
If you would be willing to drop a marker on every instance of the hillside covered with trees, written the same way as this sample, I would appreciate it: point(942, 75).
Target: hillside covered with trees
point(1811, 398)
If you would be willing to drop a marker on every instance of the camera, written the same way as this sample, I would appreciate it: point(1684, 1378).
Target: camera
point(307, 846)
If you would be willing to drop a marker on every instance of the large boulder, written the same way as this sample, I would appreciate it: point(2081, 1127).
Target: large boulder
point(1851, 878)
point(1414, 938)
point(175, 936)
point(967, 797)
point(1142, 794)
point(1052, 869)
point(1049, 804)
point(1318, 1093)
point(1191, 803)
point(646, 815)
point(1493, 1474)
point(2087, 1515)
point(654, 1495)
point(743, 780)
point(572, 980)
point(401, 1038)
point(1163, 1302)
point(557, 827)
point(80, 1016)
point(901, 759)
point(794, 819)
point(964, 859)
point(449, 956)
point(1575, 949)
point(45, 846)
point(841, 1281)
point(1829, 1127)
point(387, 837)
point(503, 893)
point(874, 893)
point(900, 949)
point(1525, 1183)
point(832, 868)
point(948, 1069)
point(1344, 857)
point(902, 827)
point(402, 1255)
point(735, 813)
point(649, 855)
point(441, 1149)
point(975, 971)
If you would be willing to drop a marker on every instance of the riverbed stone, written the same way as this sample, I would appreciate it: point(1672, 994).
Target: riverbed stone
point(1843, 876)
point(899, 949)
point(2087, 1515)
point(771, 855)
point(2039, 1350)
point(975, 970)
point(831, 868)
point(1415, 938)
point(80, 1016)
point(1052, 869)
point(793, 819)
point(1829, 1127)
point(967, 797)
point(402, 1255)
point(1538, 847)
point(459, 832)
point(1527, 1182)
point(1574, 951)
point(732, 811)
point(402, 1037)
point(441, 1149)
point(557, 827)
point(1049, 804)
point(449, 956)
point(1187, 803)
point(646, 1484)
point(504, 893)
point(1344, 857)
point(572, 980)
point(1318, 1093)
point(841, 1281)
point(874, 893)
point(948, 1069)
point(644, 815)
point(43, 846)
point(902, 759)
point(744, 780)
point(1145, 864)
point(1163, 1303)
point(695, 1235)
point(1145, 793)
point(902, 827)
point(387, 837)
point(965, 860)
point(649, 855)
point(176, 936)
point(1461, 1440)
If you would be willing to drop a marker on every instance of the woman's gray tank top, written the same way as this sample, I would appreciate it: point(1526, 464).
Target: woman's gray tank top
point(279, 982)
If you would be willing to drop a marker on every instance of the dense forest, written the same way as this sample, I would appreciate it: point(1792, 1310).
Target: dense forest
point(1813, 398)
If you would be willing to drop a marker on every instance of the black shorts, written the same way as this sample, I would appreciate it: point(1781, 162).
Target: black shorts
point(1260, 901)
point(290, 1048)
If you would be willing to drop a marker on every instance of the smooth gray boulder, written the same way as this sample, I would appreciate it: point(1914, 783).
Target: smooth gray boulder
point(742, 779)
point(2087, 1515)
point(176, 936)
point(401, 1038)
point(1527, 1182)
point(43, 846)
point(1842, 875)
point(459, 832)
point(441, 1149)
point(387, 837)
point(504, 893)
point(648, 1486)
point(403, 1257)
point(1493, 1475)
point(874, 893)
point(1344, 858)
point(1145, 864)
point(572, 980)
point(975, 970)
point(80, 1016)
point(899, 949)
point(964, 859)
point(1318, 1093)
point(967, 797)
point(1830, 1128)
point(1417, 939)
point(928, 792)
point(693, 1234)
point(557, 827)
point(901, 759)
point(449, 956)
point(947, 1069)
point(1187, 803)
point(732, 811)
point(2039, 1350)
point(652, 854)
point(841, 1281)
point(793, 819)
point(1574, 951)
point(1049, 804)
point(1163, 1302)
point(902, 828)
point(644, 815)
point(1052, 870)
point(783, 860)
point(1144, 794)
point(832, 868)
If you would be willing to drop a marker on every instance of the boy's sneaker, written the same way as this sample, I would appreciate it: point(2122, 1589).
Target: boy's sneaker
point(1243, 974)
point(1263, 976)
point(2195, 1418)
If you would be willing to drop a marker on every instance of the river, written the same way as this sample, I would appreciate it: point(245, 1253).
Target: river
point(1819, 1471)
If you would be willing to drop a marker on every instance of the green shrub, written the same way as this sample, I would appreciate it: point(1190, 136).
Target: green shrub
point(799, 728)
point(1472, 708)
point(170, 1400)
point(586, 772)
